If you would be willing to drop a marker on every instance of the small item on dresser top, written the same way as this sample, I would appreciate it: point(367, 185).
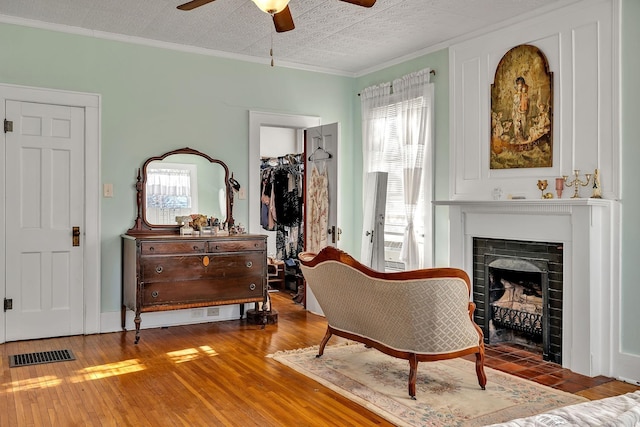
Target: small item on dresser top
point(186, 229)
point(515, 197)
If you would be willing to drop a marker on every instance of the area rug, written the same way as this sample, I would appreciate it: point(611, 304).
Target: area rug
point(447, 391)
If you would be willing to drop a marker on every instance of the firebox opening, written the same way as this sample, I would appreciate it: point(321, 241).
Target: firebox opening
point(516, 307)
point(515, 297)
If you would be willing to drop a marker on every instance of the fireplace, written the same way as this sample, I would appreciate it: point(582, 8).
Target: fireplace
point(517, 288)
point(580, 233)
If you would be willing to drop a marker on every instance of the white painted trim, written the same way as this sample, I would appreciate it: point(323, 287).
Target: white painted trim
point(112, 321)
point(91, 267)
point(258, 119)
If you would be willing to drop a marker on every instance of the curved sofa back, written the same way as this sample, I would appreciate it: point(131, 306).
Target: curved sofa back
point(427, 315)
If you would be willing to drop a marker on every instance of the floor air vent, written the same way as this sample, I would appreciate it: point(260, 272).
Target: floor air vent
point(40, 358)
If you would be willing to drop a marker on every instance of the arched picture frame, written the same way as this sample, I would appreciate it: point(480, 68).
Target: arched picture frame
point(522, 111)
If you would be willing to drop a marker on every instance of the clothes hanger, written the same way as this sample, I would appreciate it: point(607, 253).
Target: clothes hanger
point(322, 150)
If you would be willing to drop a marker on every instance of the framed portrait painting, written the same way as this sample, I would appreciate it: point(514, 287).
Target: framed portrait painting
point(522, 111)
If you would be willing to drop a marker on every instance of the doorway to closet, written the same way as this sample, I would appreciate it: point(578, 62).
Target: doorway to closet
point(271, 136)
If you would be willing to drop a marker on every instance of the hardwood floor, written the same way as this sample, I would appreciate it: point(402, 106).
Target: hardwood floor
point(211, 374)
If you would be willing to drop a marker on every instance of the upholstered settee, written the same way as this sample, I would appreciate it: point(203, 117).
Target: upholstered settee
point(420, 315)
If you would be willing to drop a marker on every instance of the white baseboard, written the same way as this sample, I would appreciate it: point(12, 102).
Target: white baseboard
point(111, 321)
point(626, 367)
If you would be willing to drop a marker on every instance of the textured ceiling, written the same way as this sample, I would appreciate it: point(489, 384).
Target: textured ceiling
point(330, 35)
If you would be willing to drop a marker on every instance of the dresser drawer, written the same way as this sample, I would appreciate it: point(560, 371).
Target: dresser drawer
point(160, 248)
point(193, 267)
point(236, 245)
point(188, 292)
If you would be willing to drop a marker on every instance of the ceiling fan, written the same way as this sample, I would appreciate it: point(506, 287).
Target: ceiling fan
point(278, 9)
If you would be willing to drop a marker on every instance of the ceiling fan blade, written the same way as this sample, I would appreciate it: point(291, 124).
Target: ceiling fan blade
point(283, 20)
point(363, 3)
point(193, 4)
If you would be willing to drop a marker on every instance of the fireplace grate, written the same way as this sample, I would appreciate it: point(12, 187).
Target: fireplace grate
point(522, 321)
point(40, 357)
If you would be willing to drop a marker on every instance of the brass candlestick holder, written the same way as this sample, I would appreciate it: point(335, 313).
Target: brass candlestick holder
point(576, 182)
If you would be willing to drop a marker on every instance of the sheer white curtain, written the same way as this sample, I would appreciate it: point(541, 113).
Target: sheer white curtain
point(397, 136)
point(375, 124)
point(414, 113)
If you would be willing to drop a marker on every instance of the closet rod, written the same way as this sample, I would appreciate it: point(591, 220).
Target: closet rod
point(432, 72)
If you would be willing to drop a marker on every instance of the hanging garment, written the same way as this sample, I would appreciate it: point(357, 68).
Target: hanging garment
point(288, 203)
point(265, 201)
point(317, 210)
point(281, 203)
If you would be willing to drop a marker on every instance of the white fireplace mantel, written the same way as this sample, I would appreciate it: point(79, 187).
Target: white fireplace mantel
point(588, 230)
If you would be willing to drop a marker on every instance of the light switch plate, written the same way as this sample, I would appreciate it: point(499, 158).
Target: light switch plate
point(242, 194)
point(107, 190)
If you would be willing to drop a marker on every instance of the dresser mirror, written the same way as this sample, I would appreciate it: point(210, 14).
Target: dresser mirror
point(180, 183)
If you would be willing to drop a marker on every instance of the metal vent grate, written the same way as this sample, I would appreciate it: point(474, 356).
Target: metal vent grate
point(40, 358)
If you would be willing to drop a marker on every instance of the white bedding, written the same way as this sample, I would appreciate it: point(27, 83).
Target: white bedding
point(623, 410)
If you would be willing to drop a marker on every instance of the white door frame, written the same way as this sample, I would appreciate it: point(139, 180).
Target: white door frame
point(91, 267)
point(256, 121)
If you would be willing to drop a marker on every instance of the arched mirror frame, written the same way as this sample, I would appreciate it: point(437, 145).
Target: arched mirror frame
point(142, 226)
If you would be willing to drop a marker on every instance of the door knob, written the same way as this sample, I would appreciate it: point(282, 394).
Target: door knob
point(370, 233)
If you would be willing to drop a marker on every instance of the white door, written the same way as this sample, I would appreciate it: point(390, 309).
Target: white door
point(44, 201)
point(321, 151)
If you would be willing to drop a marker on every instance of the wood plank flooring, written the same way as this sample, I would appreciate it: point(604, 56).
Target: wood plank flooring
point(211, 374)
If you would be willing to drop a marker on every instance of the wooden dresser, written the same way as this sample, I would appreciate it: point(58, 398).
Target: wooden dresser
point(170, 272)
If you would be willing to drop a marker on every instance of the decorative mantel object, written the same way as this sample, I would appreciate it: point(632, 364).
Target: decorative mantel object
point(522, 111)
point(542, 186)
point(559, 186)
point(576, 182)
point(597, 192)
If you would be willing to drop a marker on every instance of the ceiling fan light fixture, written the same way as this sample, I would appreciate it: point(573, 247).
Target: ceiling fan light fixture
point(271, 6)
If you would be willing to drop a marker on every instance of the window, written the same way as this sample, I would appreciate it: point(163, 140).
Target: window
point(390, 161)
point(397, 139)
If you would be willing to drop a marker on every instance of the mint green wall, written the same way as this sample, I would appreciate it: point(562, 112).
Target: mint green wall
point(630, 135)
point(439, 62)
point(156, 100)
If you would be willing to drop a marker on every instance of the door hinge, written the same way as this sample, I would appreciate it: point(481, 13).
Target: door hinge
point(8, 304)
point(8, 126)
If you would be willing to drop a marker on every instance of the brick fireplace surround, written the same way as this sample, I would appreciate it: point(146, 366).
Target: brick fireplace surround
point(590, 267)
point(543, 262)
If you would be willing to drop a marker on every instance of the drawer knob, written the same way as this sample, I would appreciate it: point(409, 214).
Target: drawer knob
point(159, 269)
point(196, 248)
point(151, 249)
point(249, 264)
point(154, 294)
point(252, 286)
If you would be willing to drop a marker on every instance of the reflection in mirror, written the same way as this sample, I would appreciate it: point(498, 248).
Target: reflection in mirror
point(184, 184)
point(170, 191)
